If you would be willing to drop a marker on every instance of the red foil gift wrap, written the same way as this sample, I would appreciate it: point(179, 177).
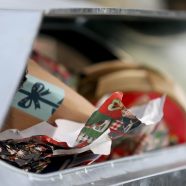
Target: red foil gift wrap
point(28, 154)
point(35, 154)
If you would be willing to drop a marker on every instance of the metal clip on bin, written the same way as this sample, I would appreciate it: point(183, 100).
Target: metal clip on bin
point(18, 31)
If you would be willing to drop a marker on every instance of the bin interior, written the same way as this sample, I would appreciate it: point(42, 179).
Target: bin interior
point(99, 38)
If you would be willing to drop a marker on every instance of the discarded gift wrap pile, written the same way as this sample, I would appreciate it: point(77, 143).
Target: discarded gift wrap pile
point(44, 148)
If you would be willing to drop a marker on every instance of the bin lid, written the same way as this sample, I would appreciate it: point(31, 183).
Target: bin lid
point(92, 8)
point(18, 30)
point(122, 13)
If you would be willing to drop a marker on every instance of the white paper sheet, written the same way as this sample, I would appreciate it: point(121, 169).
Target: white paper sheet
point(66, 131)
point(150, 113)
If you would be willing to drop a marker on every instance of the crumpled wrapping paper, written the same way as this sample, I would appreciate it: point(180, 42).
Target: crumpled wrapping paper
point(75, 140)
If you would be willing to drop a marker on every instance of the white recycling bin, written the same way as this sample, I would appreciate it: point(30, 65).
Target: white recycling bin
point(19, 28)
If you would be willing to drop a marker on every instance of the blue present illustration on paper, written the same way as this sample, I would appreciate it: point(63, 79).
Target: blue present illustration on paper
point(38, 98)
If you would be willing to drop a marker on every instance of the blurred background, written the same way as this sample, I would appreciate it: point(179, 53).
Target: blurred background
point(140, 4)
point(143, 4)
